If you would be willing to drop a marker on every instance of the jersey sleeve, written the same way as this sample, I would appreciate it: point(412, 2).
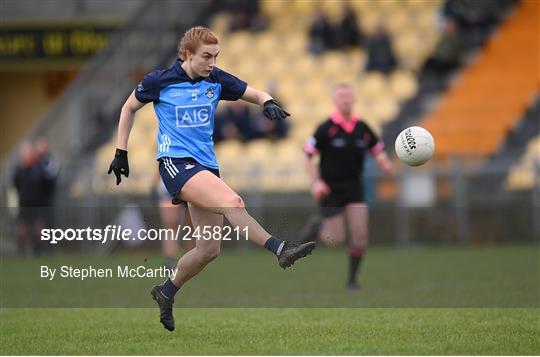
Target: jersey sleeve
point(148, 89)
point(315, 143)
point(374, 144)
point(232, 88)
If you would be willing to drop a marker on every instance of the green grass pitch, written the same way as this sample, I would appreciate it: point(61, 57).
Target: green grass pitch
point(437, 300)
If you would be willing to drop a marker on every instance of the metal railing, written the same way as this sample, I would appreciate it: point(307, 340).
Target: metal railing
point(439, 203)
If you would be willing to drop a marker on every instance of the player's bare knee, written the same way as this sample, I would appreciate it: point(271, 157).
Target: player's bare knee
point(234, 201)
point(210, 253)
point(332, 241)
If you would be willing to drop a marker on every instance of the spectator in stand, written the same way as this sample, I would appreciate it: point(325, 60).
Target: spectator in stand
point(347, 32)
point(234, 122)
point(50, 168)
point(274, 130)
point(240, 115)
point(379, 49)
point(321, 34)
point(449, 50)
point(27, 182)
point(476, 18)
point(224, 127)
point(237, 121)
point(244, 14)
point(471, 14)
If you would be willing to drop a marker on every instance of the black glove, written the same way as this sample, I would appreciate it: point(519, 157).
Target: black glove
point(119, 165)
point(273, 111)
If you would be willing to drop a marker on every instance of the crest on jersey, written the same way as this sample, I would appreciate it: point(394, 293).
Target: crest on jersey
point(209, 93)
point(140, 87)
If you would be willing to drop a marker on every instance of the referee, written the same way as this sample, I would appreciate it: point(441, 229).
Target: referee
point(342, 141)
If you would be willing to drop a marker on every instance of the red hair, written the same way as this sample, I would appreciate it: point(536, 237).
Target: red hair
point(193, 38)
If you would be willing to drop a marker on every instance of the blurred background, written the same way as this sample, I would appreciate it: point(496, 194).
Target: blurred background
point(467, 70)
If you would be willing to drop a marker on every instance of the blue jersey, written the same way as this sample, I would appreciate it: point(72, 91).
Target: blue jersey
point(185, 110)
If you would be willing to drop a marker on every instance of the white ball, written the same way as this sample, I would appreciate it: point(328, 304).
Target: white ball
point(415, 146)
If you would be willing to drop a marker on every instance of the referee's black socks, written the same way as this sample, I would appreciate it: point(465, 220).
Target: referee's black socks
point(355, 253)
point(275, 245)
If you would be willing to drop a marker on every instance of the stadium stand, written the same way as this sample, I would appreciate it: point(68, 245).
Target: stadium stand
point(505, 75)
point(279, 55)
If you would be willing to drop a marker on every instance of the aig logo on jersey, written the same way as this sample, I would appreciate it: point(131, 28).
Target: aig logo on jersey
point(190, 116)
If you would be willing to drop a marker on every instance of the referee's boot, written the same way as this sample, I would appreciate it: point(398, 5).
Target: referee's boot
point(353, 286)
point(165, 307)
point(291, 252)
point(310, 231)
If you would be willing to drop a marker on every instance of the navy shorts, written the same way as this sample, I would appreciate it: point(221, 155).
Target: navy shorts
point(342, 193)
point(175, 172)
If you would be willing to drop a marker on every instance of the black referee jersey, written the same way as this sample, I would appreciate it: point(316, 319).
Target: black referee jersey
point(342, 145)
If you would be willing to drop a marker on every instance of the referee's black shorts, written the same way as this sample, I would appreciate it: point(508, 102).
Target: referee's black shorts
point(342, 193)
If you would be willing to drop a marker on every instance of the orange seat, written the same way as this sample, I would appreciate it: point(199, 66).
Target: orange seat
point(476, 114)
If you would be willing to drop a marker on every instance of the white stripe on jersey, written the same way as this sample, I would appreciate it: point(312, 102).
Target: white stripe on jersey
point(165, 143)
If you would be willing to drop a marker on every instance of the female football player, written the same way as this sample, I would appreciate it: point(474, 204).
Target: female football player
point(185, 98)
